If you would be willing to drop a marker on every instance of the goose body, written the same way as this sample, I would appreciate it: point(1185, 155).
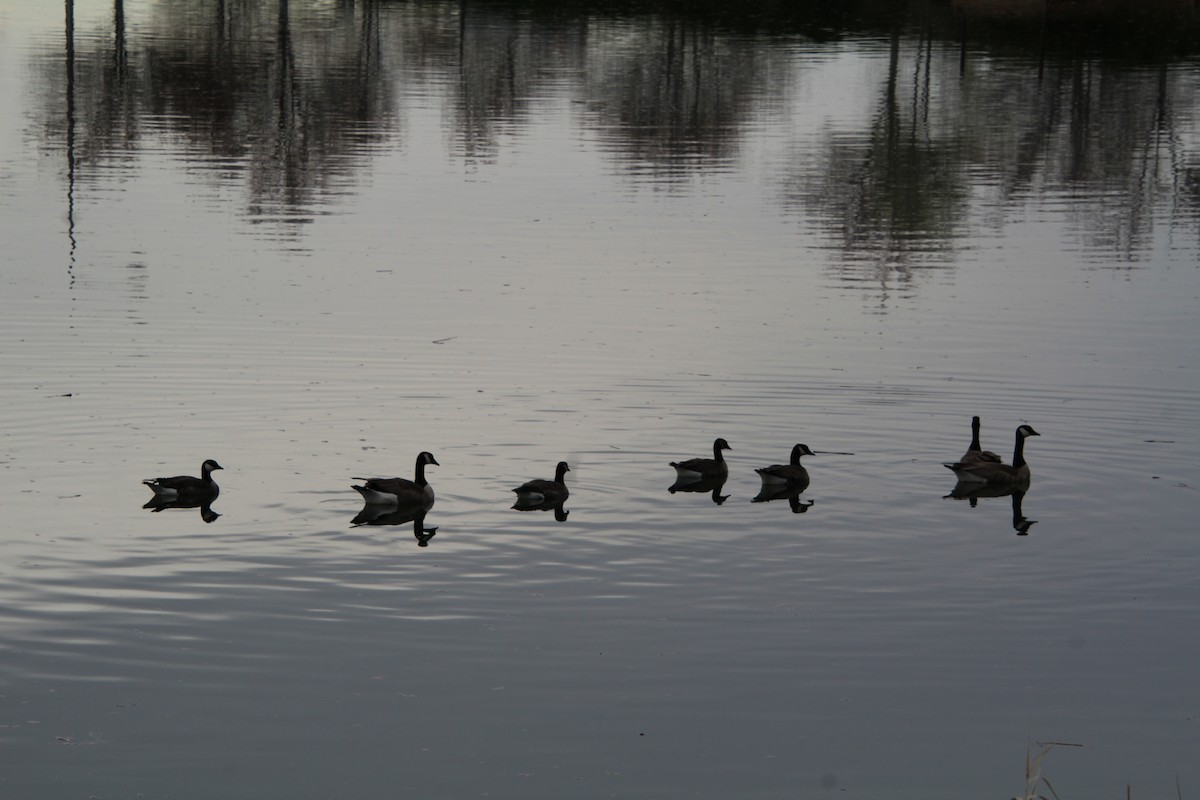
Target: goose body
point(541, 492)
point(187, 487)
point(399, 491)
point(975, 453)
point(995, 473)
point(791, 475)
point(695, 469)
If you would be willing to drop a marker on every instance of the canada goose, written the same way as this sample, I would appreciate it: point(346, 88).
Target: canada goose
point(791, 475)
point(185, 487)
point(695, 469)
point(398, 491)
point(996, 473)
point(543, 493)
point(974, 452)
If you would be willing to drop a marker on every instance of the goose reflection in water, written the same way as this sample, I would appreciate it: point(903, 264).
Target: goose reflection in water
point(972, 492)
point(769, 493)
point(560, 513)
point(712, 483)
point(376, 514)
point(205, 505)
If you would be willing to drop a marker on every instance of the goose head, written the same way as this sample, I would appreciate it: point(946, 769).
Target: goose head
point(800, 450)
point(1025, 431)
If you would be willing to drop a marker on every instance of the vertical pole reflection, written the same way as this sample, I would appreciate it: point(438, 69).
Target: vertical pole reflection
point(462, 36)
point(1042, 42)
point(120, 55)
point(70, 57)
point(962, 49)
point(284, 45)
point(368, 59)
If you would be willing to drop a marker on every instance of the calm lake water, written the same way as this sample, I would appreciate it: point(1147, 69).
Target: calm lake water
point(313, 239)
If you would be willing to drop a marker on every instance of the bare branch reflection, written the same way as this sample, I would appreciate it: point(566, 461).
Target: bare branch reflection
point(971, 117)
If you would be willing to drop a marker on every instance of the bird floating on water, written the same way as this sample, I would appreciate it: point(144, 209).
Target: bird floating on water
point(187, 487)
point(994, 472)
point(792, 474)
point(542, 492)
point(399, 491)
point(701, 468)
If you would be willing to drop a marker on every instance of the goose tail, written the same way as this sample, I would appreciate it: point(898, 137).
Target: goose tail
point(373, 497)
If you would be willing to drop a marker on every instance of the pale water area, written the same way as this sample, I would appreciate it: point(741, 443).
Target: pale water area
point(310, 240)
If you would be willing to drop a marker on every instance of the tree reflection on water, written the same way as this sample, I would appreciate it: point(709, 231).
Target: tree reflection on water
point(294, 101)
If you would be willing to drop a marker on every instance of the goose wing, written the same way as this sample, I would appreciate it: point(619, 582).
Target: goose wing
point(542, 489)
point(980, 457)
point(391, 485)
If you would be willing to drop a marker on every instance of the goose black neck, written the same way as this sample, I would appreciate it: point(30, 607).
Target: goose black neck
point(420, 479)
point(717, 452)
point(796, 456)
point(975, 434)
point(560, 472)
point(205, 472)
point(1019, 451)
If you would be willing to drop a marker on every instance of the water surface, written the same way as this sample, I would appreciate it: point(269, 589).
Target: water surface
point(311, 240)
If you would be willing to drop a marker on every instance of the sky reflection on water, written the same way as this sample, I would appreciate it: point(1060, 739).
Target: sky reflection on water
point(311, 240)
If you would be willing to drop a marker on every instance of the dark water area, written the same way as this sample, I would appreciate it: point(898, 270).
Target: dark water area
point(311, 240)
